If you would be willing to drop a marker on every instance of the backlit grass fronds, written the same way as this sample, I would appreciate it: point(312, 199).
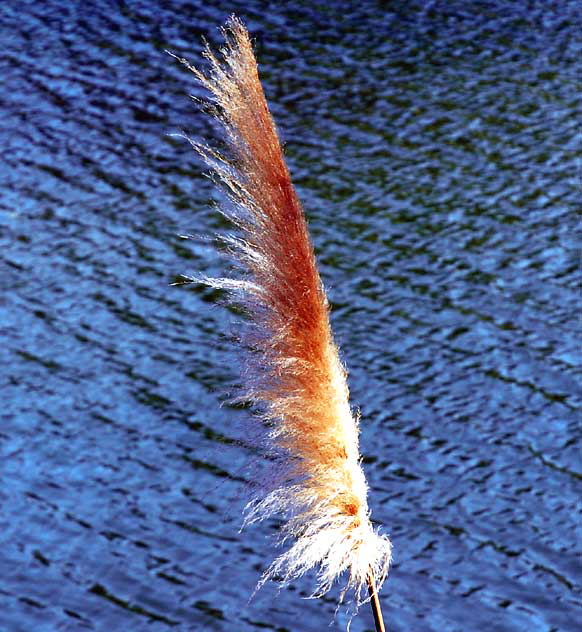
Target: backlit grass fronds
point(293, 375)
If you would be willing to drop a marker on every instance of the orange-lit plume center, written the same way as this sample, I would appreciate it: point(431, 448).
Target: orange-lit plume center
point(294, 377)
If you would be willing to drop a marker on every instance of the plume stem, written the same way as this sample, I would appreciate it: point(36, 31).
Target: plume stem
point(375, 604)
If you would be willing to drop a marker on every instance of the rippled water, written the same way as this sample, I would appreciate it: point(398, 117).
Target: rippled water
point(436, 147)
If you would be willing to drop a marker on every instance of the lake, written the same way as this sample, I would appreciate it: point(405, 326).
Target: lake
point(436, 147)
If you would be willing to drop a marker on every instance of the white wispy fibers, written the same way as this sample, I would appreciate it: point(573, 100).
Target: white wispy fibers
point(293, 374)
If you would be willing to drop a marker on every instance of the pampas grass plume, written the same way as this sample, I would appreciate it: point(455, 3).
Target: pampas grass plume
point(293, 375)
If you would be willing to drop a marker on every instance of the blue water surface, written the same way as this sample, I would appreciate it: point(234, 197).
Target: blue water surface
point(437, 149)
